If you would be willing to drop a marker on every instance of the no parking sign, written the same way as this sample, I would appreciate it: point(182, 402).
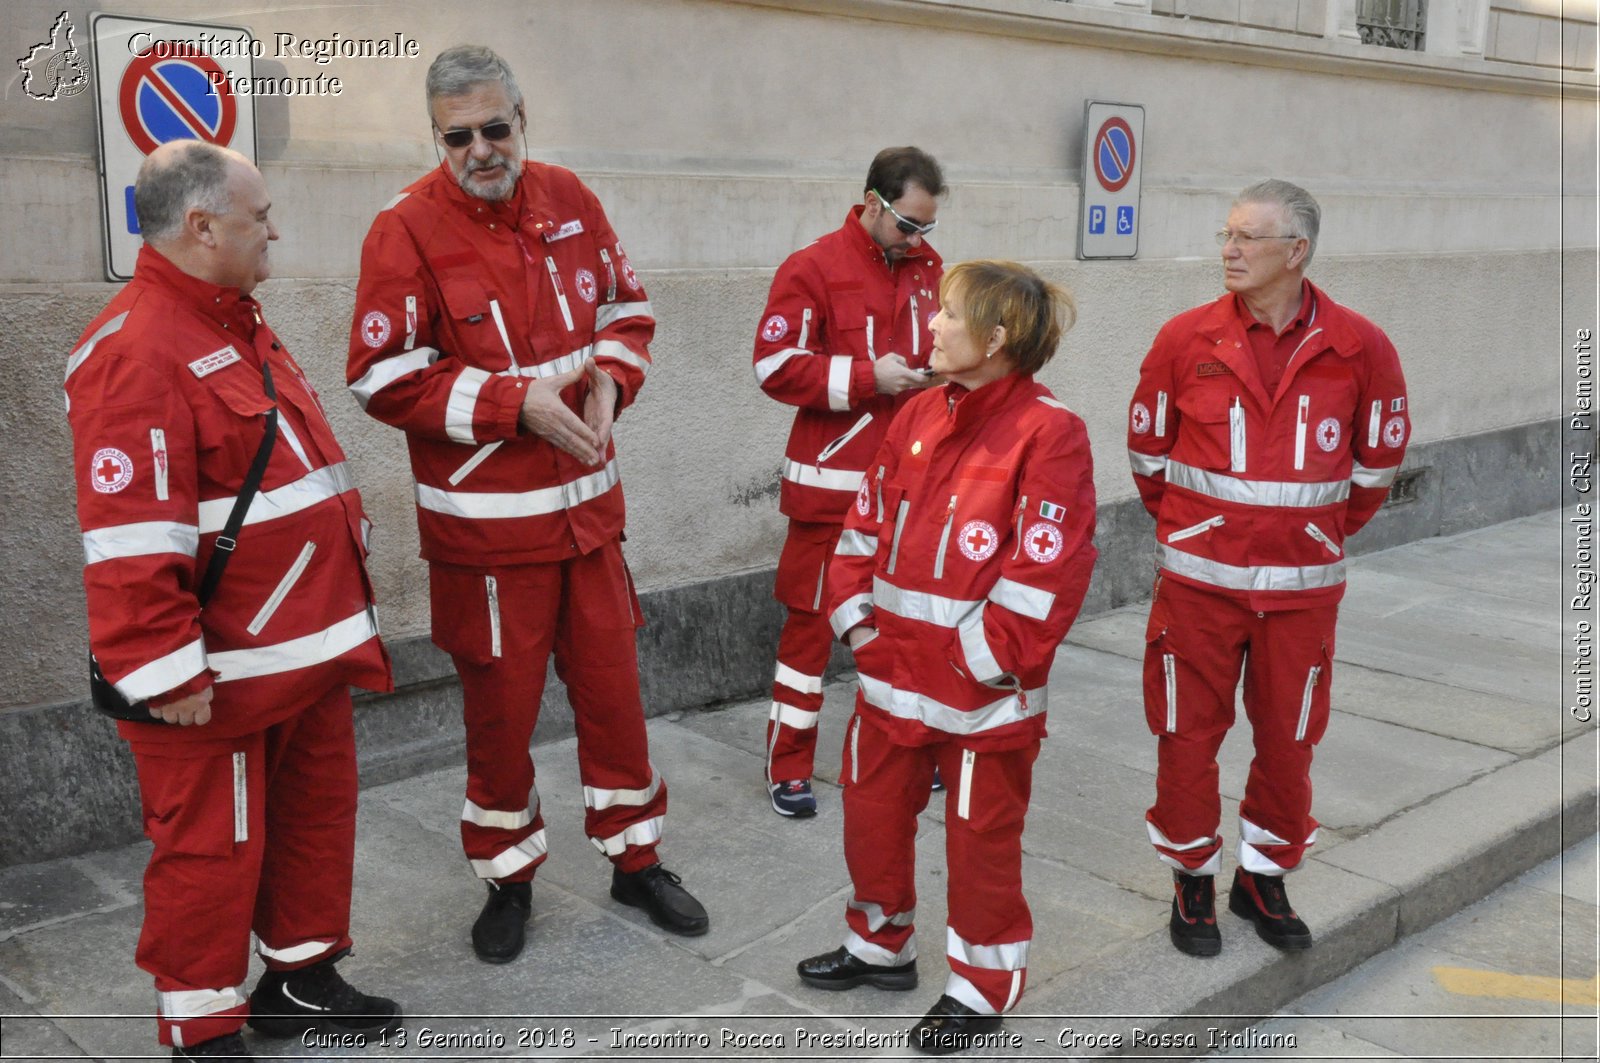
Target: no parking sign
point(159, 81)
point(1113, 150)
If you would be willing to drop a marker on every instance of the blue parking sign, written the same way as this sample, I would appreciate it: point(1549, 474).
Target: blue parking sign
point(1097, 219)
point(1124, 221)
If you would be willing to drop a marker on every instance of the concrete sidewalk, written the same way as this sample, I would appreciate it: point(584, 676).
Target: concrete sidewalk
point(1449, 768)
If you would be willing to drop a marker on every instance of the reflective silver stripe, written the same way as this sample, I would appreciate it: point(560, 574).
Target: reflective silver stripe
point(805, 326)
point(1300, 428)
point(472, 812)
point(899, 529)
point(395, 202)
point(857, 544)
point(1251, 577)
point(958, 988)
point(608, 314)
point(1161, 413)
point(1196, 529)
point(1012, 956)
point(566, 363)
point(158, 453)
point(561, 291)
point(500, 327)
point(833, 448)
point(241, 798)
point(964, 789)
point(164, 673)
point(794, 680)
point(306, 950)
point(919, 605)
point(910, 705)
point(839, 382)
point(494, 505)
point(491, 589)
point(1147, 464)
point(381, 374)
point(872, 354)
point(621, 352)
point(1362, 476)
point(793, 716)
point(1054, 403)
point(303, 652)
point(462, 403)
point(1162, 841)
point(598, 798)
point(877, 918)
point(140, 540)
point(981, 663)
point(1022, 599)
point(1251, 838)
point(1374, 422)
point(645, 833)
point(281, 591)
point(773, 362)
point(1322, 537)
point(827, 479)
point(1169, 671)
point(864, 950)
point(291, 437)
point(851, 612)
point(81, 355)
point(1236, 436)
point(1305, 703)
point(514, 859)
point(479, 456)
point(330, 481)
point(180, 1004)
point(855, 749)
point(1273, 493)
point(916, 329)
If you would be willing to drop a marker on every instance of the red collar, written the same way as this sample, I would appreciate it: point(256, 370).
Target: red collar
point(969, 406)
point(225, 305)
point(1302, 316)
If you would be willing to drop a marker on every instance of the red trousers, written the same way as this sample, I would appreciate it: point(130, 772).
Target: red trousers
point(886, 786)
point(251, 833)
point(1196, 646)
point(501, 626)
point(803, 650)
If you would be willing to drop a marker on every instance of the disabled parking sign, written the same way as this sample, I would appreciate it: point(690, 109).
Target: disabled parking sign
point(1113, 152)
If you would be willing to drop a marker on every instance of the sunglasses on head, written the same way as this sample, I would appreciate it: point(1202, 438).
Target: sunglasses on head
point(461, 138)
point(904, 224)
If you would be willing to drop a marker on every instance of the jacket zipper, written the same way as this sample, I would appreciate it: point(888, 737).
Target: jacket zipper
point(1322, 537)
point(944, 539)
point(1301, 418)
point(964, 792)
point(838, 444)
point(158, 452)
point(1195, 529)
point(1022, 511)
point(561, 291)
point(283, 588)
point(611, 276)
point(1305, 702)
point(916, 330)
point(899, 526)
point(492, 585)
point(1236, 435)
point(880, 493)
point(1169, 670)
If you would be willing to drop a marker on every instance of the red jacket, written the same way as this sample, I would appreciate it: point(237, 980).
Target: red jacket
point(1254, 494)
point(969, 549)
point(835, 306)
point(165, 397)
point(460, 302)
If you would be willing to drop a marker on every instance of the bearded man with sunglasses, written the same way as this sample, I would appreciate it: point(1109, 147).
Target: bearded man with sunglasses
point(499, 323)
point(844, 338)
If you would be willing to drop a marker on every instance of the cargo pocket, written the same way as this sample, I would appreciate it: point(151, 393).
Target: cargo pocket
point(465, 605)
point(1316, 699)
point(1161, 708)
point(183, 806)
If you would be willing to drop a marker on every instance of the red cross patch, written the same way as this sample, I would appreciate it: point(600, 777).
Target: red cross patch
point(1139, 419)
point(110, 470)
point(1043, 542)
point(978, 540)
point(1328, 434)
point(586, 286)
point(375, 329)
point(629, 276)
point(864, 497)
point(774, 328)
point(1394, 431)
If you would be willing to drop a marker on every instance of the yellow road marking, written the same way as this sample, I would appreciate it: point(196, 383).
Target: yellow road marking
point(1464, 981)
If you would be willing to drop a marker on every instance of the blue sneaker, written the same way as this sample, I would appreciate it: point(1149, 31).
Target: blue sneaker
point(793, 798)
point(938, 783)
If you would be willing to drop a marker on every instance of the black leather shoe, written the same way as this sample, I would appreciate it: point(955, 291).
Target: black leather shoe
point(1194, 915)
point(292, 1003)
point(840, 969)
point(1263, 900)
point(662, 896)
point(228, 1046)
point(498, 933)
point(950, 1027)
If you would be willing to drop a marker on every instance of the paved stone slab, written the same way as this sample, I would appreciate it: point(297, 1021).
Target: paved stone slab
point(1575, 875)
point(1485, 719)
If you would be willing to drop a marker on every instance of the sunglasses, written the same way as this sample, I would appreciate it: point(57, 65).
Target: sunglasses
point(904, 224)
point(461, 138)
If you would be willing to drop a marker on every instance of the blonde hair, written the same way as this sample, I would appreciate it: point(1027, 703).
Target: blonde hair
point(1034, 312)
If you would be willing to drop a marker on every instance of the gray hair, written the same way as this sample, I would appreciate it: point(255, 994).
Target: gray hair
point(460, 69)
point(1305, 217)
point(196, 178)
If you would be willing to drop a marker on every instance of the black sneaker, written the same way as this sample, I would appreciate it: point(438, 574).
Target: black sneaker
point(1194, 915)
point(498, 933)
point(290, 1003)
point(841, 969)
point(938, 781)
point(793, 798)
point(949, 1027)
point(662, 896)
point(228, 1046)
point(1263, 900)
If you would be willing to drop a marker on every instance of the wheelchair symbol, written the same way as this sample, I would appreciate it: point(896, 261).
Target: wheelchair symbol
point(1097, 219)
point(1124, 220)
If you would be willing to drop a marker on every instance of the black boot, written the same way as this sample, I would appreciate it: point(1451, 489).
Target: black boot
point(841, 969)
point(228, 1046)
point(1194, 914)
point(1263, 900)
point(498, 933)
point(290, 1003)
point(950, 1027)
point(661, 894)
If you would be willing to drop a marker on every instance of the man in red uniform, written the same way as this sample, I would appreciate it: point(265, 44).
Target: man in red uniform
point(1266, 428)
point(844, 337)
point(249, 787)
point(499, 323)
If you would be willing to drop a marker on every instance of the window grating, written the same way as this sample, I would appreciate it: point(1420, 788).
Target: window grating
point(1392, 23)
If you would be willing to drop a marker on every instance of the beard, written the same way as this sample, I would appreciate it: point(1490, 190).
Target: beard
point(499, 190)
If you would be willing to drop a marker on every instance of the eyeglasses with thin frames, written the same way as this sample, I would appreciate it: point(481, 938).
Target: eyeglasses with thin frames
point(904, 224)
point(1245, 239)
point(494, 132)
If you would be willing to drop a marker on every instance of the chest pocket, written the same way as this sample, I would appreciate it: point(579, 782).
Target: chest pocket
point(974, 519)
point(472, 325)
point(1206, 435)
point(847, 317)
point(239, 390)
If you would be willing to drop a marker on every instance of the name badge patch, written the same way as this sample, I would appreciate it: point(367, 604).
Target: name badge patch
point(571, 228)
point(203, 367)
point(1211, 369)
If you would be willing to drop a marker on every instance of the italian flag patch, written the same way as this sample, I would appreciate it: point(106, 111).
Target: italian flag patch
point(1051, 511)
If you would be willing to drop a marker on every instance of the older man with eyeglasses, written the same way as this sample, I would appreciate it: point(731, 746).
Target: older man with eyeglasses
point(499, 323)
point(1266, 428)
point(844, 338)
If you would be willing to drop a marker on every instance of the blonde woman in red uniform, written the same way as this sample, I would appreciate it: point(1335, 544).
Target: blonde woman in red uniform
point(962, 565)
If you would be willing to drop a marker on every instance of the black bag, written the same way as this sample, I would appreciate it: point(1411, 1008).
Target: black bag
point(105, 697)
